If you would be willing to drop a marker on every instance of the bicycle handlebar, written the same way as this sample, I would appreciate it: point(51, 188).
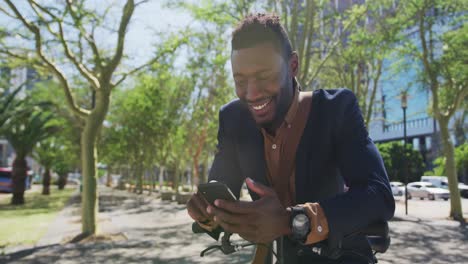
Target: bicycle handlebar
point(376, 233)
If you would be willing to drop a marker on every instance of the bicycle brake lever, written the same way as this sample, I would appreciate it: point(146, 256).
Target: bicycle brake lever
point(217, 247)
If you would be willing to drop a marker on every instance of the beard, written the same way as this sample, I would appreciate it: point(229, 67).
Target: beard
point(283, 100)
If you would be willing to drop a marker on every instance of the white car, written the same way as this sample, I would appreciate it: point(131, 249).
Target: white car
point(398, 188)
point(463, 190)
point(426, 190)
point(442, 182)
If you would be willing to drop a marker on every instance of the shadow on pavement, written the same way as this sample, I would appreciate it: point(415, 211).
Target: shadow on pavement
point(117, 252)
point(427, 242)
point(22, 253)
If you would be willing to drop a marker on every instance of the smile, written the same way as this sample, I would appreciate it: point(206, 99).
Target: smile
point(261, 106)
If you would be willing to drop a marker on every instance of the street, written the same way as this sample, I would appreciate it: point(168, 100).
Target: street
point(144, 229)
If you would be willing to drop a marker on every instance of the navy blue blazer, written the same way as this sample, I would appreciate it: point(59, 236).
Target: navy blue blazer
point(334, 149)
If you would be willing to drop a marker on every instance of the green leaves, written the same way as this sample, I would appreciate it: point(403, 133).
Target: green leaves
point(395, 156)
point(25, 130)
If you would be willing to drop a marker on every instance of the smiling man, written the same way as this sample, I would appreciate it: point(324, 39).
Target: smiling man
point(295, 151)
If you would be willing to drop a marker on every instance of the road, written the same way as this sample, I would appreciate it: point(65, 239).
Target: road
point(155, 231)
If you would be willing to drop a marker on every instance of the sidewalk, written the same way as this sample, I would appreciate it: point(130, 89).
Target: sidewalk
point(153, 231)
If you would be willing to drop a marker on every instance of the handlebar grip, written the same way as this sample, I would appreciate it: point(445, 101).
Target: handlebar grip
point(197, 229)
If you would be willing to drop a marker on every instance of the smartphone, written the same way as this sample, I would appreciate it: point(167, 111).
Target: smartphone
point(216, 190)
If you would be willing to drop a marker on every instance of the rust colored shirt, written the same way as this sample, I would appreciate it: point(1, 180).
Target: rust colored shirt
point(280, 153)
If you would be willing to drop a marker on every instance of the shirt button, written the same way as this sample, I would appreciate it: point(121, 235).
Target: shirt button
point(289, 125)
point(273, 146)
point(319, 229)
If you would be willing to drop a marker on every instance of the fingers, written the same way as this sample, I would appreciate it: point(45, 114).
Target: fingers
point(196, 208)
point(238, 207)
point(246, 232)
point(228, 217)
point(259, 188)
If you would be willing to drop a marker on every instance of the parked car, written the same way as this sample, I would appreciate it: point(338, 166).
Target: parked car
point(426, 190)
point(463, 190)
point(442, 182)
point(6, 182)
point(398, 188)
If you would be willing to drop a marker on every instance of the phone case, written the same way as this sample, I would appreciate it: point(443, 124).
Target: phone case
point(216, 190)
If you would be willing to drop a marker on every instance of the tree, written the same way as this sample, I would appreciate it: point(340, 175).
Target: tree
point(211, 91)
point(8, 105)
point(316, 29)
point(137, 138)
point(59, 153)
point(45, 154)
point(207, 66)
point(359, 62)
point(69, 29)
point(461, 162)
point(440, 47)
point(394, 157)
point(24, 131)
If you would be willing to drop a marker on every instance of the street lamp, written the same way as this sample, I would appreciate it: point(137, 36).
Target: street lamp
point(404, 105)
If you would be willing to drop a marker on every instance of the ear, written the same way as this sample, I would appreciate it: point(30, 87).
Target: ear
point(294, 64)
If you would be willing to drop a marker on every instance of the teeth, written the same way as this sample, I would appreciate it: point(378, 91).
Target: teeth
point(260, 107)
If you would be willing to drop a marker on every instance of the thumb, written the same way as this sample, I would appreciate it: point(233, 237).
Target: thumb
point(259, 188)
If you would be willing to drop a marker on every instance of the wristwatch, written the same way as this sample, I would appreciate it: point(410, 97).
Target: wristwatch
point(299, 223)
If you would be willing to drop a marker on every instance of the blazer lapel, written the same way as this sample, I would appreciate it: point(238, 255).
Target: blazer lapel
point(251, 154)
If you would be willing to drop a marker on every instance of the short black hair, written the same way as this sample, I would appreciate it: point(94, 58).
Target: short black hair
point(261, 28)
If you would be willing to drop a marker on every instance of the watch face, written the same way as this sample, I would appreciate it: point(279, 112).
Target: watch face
point(301, 224)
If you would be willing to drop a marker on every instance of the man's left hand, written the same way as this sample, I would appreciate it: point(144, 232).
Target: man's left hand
point(260, 221)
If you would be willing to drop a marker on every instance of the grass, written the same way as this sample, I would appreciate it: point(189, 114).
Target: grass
point(26, 224)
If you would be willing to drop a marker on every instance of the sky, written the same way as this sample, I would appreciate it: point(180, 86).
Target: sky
point(152, 18)
point(149, 18)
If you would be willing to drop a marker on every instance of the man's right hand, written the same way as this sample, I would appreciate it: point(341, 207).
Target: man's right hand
point(196, 208)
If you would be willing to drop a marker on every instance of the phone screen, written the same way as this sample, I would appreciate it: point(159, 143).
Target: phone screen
point(216, 190)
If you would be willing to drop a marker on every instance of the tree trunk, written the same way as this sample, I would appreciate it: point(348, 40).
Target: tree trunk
point(62, 181)
point(93, 124)
point(161, 178)
point(19, 174)
point(176, 179)
point(196, 176)
point(46, 181)
point(139, 187)
point(109, 177)
point(153, 180)
point(447, 146)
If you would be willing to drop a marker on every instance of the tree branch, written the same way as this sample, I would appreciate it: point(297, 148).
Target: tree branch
point(38, 46)
point(2, 10)
point(333, 47)
point(85, 72)
point(169, 50)
point(89, 38)
point(459, 97)
point(126, 15)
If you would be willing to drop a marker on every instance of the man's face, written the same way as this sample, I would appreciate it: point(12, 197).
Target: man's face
point(261, 78)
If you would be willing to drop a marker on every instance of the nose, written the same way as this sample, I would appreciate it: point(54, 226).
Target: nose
point(253, 91)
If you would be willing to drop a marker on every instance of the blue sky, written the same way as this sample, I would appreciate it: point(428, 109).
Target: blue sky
point(147, 19)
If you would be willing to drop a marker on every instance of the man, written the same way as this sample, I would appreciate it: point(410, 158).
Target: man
point(295, 151)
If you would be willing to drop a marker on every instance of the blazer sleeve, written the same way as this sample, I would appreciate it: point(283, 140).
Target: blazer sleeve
point(225, 167)
point(369, 197)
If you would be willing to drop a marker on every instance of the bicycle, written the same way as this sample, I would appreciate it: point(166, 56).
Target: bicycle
point(377, 234)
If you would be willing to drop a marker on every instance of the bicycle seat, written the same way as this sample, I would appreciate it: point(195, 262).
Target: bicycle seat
point(378, 236)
